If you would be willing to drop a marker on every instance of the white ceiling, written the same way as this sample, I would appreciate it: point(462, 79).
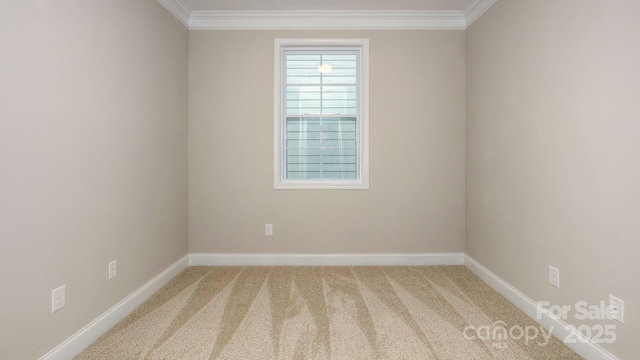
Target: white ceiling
point(279, 5)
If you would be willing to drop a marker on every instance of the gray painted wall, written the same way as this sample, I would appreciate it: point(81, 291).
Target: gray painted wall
point(93, 160)
point(415, 203)
point(553, 171)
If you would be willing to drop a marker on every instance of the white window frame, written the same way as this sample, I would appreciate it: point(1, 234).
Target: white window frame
point(280, 181)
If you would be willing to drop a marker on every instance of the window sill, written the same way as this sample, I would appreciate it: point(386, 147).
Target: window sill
point(321, 185)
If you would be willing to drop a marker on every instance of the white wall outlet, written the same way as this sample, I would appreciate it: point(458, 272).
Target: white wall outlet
point(58, 299)
point(554, 276)
point(113, 269)
point(616, 308)
point(268, 229)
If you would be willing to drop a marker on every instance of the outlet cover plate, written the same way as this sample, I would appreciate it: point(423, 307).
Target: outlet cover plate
point(617, 308)
point(113, 269)
point(58, 299)
point(554, 276)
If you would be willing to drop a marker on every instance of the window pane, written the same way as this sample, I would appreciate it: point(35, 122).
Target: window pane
point(321, 148)
point(338, 135)
point(339, 95)
point(303, 144)
point(339, 175)
point(340, 64)
point(293, 160)
point(303, 135)
point(303, 104)
point(341, 72)
point(304, 151)
point(339, 167)
point(294, 126)
point(303, 89)
point(339, 143)
point(303, 95)
point(338, 57)
point(320, 107)
point(303, 111)
point(338, 103)
point(341, 160)
point(303, 80)
point(304, 167)
point(305, 57)
point(303, 175)
point(292, 64)
point(338, 111)
point(338, 127)
point(341, 152)
point(338, 79)
point(303, 72)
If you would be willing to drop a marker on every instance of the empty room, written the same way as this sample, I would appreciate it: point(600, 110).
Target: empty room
point(305, 179)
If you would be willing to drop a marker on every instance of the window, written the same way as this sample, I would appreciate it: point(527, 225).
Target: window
point(321, 114)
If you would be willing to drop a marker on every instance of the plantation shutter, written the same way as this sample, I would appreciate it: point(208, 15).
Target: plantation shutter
point(321, 113)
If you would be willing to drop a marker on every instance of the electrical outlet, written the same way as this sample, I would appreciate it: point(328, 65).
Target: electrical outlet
point(616, 307)
point(554, 276)
point(113, 269)
point(268, 229)
point(58, 299)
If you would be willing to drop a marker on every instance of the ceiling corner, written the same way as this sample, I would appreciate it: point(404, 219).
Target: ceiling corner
point(475, 9)
point(178, 9)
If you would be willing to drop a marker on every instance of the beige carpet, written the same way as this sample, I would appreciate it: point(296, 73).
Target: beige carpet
point(430, 312)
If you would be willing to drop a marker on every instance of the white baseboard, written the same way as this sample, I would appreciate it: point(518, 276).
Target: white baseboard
point(215, 259)
point(90, 333)
point(584, 347)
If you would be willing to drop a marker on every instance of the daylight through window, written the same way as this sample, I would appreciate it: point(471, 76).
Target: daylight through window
point(321, 121)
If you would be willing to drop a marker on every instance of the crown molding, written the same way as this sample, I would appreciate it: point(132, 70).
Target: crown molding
point(178, 9)
point(475, 9)
point(327, 19)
